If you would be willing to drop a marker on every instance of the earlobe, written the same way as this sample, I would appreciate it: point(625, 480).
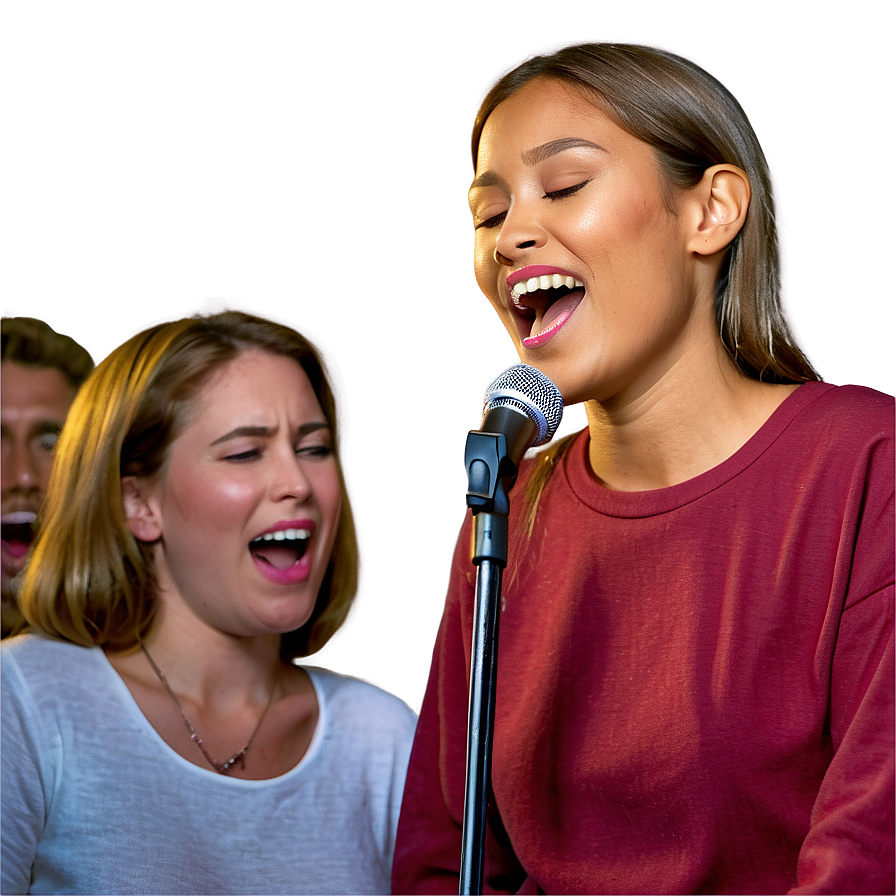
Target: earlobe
point(142, 521)
point(723, 199)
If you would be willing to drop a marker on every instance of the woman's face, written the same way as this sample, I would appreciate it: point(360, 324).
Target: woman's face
point(247, 503)
point(576, 248)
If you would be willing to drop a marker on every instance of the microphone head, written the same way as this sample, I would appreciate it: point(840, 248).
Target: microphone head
point(528, 390)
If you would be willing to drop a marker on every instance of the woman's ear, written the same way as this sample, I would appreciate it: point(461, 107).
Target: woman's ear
point(142, 520)
point(721, 201)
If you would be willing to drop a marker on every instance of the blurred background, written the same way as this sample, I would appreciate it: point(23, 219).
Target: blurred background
point(310, 163)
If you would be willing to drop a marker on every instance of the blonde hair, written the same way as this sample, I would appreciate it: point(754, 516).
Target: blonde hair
point(89, 580)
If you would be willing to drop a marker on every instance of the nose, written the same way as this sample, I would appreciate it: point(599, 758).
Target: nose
point(520, 232)
point(20, 469)
point(292, 482)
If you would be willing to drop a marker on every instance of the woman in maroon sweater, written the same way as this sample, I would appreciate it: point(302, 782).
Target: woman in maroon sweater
point(695, 682)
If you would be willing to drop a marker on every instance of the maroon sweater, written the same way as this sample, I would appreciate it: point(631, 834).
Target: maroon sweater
point(695, 688)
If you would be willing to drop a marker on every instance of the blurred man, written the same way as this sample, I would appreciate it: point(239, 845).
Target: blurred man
point(41, 372)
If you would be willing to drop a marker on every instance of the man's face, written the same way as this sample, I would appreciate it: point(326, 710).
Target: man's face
point(33, 407)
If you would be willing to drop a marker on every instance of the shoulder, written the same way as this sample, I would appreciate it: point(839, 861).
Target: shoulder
point(39, 659)
point(842, 432)
point(854, 413)
point(358, 705)
point(364, 733)
point(49, 687)
point(46, 680)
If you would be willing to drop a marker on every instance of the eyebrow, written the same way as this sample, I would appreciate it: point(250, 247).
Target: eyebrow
point(38, 428)
point(266, 432)
point(552, 148)
point(42, 427)
point(539, 154)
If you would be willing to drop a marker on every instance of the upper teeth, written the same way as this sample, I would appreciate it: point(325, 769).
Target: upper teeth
point(284, 535)
point(545, 281)
point(20, 517)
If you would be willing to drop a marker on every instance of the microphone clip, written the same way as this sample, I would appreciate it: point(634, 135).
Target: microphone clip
point(491, 474)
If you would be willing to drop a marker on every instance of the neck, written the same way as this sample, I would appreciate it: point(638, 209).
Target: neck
point(212, 668)
point(678, 427)
point(221, 690)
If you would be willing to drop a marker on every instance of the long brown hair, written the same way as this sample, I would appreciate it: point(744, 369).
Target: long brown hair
point(89, 580)
point(692, 122)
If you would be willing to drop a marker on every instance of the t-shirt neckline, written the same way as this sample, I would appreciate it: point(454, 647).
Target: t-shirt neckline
point(581, 480)
point(132, 708)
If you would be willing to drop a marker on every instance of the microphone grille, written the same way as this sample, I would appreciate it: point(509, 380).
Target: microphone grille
point(527, 389)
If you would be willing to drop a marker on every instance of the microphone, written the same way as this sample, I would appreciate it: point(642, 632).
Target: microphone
point(525, 405)
point(522, 408)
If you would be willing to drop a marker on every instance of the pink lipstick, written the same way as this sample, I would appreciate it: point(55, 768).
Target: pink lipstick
point(281, 554)
point(542, 299)
point(534, 270)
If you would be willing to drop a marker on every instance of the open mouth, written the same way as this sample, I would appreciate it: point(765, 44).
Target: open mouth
point(17, 531)
point(281, 549)
point(541, 305)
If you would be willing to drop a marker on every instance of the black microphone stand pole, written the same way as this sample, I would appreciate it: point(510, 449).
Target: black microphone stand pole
point(491, 474)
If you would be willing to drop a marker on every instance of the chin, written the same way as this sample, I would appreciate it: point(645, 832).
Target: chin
point(290, 619)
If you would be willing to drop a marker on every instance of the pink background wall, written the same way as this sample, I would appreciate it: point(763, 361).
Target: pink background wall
point(314, 151)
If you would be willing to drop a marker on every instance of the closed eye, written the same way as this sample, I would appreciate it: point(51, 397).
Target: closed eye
point(242, 456)
point(566, 191)
point(494, 221)
point(315, 451)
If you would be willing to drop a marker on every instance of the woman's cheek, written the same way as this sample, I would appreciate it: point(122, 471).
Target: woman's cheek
point(224, 495)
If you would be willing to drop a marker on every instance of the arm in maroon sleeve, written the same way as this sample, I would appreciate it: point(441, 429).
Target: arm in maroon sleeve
point(849, 848)
point(430, 830)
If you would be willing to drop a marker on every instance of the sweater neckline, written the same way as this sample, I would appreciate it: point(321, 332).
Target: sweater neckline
point(632, 505)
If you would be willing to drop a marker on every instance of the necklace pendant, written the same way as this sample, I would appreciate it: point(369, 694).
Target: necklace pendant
point(222, 768)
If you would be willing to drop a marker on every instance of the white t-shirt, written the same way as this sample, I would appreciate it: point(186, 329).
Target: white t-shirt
point(94, 801)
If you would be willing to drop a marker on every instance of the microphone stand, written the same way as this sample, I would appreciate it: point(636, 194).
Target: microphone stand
point(491, 473)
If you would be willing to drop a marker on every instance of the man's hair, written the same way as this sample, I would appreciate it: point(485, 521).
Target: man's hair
point(33, 343)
